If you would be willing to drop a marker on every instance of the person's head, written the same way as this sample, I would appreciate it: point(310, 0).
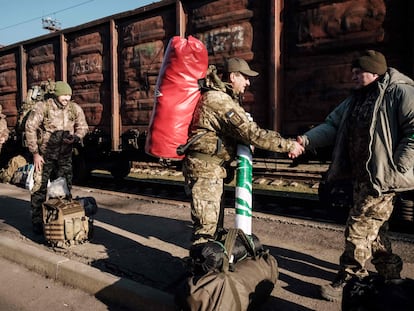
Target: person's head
point(367, 68)
point(238, 73)
point(63, 92)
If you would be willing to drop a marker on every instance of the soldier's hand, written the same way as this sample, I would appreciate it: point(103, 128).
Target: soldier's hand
point(296, 151)
point(38, 162)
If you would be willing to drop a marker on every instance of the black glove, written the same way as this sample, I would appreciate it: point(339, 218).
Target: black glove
point(71, 139)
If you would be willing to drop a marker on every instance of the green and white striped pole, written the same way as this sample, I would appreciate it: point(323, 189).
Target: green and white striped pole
point(244, 189)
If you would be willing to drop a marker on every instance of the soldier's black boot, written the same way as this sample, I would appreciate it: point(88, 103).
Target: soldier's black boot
point(388, 266)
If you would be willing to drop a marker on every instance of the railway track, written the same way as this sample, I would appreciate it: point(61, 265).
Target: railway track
point(278, 188)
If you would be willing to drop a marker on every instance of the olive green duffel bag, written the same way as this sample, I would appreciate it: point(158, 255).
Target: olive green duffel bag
point(233, 287)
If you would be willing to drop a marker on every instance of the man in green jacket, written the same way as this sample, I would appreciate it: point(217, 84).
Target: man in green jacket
point(372, 132)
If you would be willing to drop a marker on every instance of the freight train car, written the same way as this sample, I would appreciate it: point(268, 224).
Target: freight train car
point(302, 49)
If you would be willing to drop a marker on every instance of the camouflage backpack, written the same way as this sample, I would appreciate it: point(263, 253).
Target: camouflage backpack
point(65, 222)
point(6, 174)
point(35, 94)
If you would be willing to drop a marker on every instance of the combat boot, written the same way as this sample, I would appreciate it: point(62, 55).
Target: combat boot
point(388, 266)
point(333, 291)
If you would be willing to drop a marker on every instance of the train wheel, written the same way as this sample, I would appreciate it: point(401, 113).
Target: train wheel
point(121, 168)
point(81, 172)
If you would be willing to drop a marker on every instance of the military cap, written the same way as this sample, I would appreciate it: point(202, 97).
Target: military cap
point(240, 65)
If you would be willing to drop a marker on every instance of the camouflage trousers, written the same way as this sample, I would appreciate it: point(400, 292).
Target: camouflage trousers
point(207, 211)
point(366, 235)
point(51, 170)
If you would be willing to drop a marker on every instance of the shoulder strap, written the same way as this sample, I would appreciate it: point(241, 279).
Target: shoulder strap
point(228, 245)
point(46, 109)
point(72, 111)
point(181, 149)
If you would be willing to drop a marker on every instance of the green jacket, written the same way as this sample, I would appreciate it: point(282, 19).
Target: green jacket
point(391, 146)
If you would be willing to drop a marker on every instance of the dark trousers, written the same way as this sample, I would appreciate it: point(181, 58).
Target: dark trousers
point(52, 169)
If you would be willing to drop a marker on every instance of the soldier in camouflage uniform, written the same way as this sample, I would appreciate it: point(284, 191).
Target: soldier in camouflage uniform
point(373, 134)
point(219, 124)
point(4, 131)
point(52, 128)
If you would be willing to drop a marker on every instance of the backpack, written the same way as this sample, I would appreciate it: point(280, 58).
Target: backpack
point(374, 293)
point(7, 173)
point(177, 93)
point(65, 222)
point(35, 94)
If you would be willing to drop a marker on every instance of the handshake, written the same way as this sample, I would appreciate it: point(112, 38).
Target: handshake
point(298, 148)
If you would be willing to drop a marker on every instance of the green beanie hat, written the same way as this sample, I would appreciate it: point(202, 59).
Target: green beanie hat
point(371, 61)
point(62, 88)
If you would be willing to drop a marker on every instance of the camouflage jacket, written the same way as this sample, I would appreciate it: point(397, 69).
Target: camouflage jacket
point(223, 124)
point(49, 123)
point(4, 131)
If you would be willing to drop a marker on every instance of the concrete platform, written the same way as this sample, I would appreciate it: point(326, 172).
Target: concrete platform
point(135, 259)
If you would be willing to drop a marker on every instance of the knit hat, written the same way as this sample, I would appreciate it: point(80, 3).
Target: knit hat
point(62, 88)
point(240, 65)
point(371, 61)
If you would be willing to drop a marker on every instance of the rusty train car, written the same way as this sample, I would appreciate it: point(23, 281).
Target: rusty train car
point(302, 49)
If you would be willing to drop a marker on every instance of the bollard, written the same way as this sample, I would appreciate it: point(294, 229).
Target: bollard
point(244, 189)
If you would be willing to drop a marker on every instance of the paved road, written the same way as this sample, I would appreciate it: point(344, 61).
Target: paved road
point(25, 290)
point(144, 241)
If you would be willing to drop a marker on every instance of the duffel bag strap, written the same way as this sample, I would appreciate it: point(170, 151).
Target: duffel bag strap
point(228, 245)
point(248, 243)
point(229, 242)
point(246, 240)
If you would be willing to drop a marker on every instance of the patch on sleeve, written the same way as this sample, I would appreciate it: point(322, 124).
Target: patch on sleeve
point(234, 118)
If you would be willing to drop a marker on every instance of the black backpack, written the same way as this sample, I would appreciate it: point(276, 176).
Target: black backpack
point(375, 293)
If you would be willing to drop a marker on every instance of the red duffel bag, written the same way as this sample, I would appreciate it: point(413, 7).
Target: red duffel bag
point(177, 93)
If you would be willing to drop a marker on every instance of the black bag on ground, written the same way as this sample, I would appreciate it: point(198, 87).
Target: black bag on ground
point(89, 205)
point(209, 256)
point(375, 293)
point(239, 286)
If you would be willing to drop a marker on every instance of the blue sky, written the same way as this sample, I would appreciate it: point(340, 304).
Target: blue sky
point(22, 19)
